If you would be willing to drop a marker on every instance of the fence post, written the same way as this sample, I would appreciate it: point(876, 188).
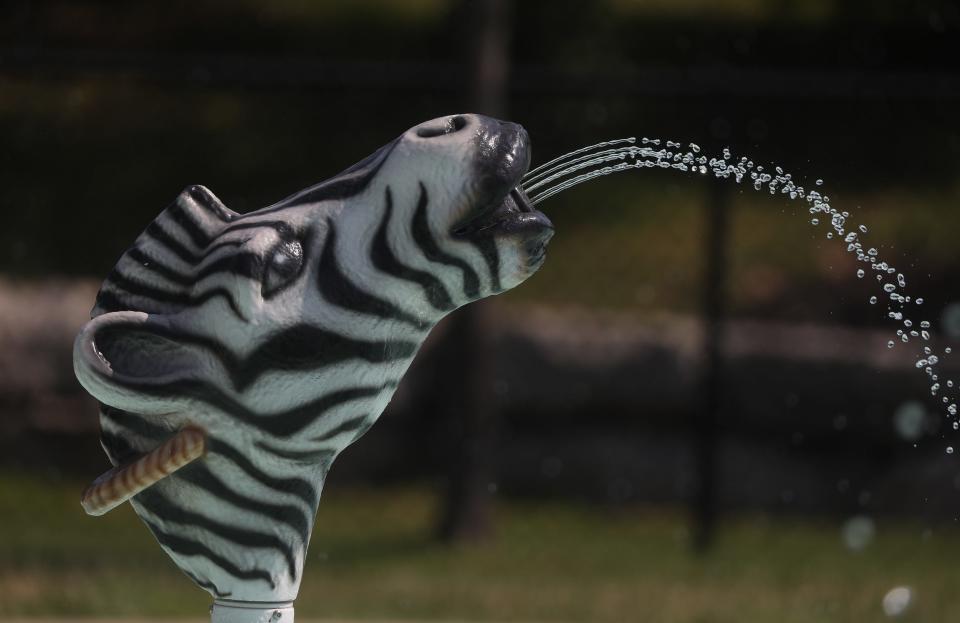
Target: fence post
point(466, 402)
point(708, 412)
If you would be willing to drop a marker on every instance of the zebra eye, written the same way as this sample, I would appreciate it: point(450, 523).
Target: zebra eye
point(283, 265)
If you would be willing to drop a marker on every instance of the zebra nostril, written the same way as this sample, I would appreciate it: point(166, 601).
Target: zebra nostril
point(442, 127)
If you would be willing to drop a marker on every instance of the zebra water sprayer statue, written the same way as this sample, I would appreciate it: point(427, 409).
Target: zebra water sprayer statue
point(234, 356)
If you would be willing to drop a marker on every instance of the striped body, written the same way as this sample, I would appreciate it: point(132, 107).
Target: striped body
point(283, 333)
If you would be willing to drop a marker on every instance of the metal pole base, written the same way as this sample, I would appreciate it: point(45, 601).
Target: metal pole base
point(227, 611)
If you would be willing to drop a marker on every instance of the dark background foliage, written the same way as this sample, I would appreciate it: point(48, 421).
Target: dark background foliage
point(688, 345)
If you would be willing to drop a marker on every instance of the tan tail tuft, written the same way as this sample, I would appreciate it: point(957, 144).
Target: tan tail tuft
point(118, 485)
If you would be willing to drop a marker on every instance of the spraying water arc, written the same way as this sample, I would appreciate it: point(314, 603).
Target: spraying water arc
point(594, 161)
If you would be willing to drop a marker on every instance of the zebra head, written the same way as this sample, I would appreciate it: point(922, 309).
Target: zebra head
point(474, 165)
point(267, 342)
point(451, 223)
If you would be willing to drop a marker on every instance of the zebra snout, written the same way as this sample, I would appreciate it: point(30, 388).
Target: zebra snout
point(502, 155)
point(442, 126)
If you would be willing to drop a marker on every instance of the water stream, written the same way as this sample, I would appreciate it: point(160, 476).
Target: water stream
point(626, 154)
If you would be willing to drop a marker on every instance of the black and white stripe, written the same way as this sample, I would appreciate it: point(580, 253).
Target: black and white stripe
point(298, 391)
point(283, 333)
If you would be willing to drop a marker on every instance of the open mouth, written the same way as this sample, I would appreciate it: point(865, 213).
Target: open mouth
point(513, 215)
point(502, 208)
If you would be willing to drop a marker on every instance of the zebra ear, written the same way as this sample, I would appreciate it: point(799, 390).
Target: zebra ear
point(127, 359)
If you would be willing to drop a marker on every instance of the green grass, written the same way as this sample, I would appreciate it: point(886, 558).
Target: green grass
point(371, 559)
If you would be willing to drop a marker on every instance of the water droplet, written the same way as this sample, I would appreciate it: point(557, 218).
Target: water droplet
point(910, 420)
point(891, 344)
point(814, 221)
point(819, 182)
point(919, 301)
point(872, 251)
point(949, 449)
point(863, 228)
point(889, 287)
point(907, 323)
point(948, 350)
point(924, 324)
point(897, 601)
point(860, 273)
point(901, 280)
point(950, 320)
point(873, 300)
point(857, 532)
